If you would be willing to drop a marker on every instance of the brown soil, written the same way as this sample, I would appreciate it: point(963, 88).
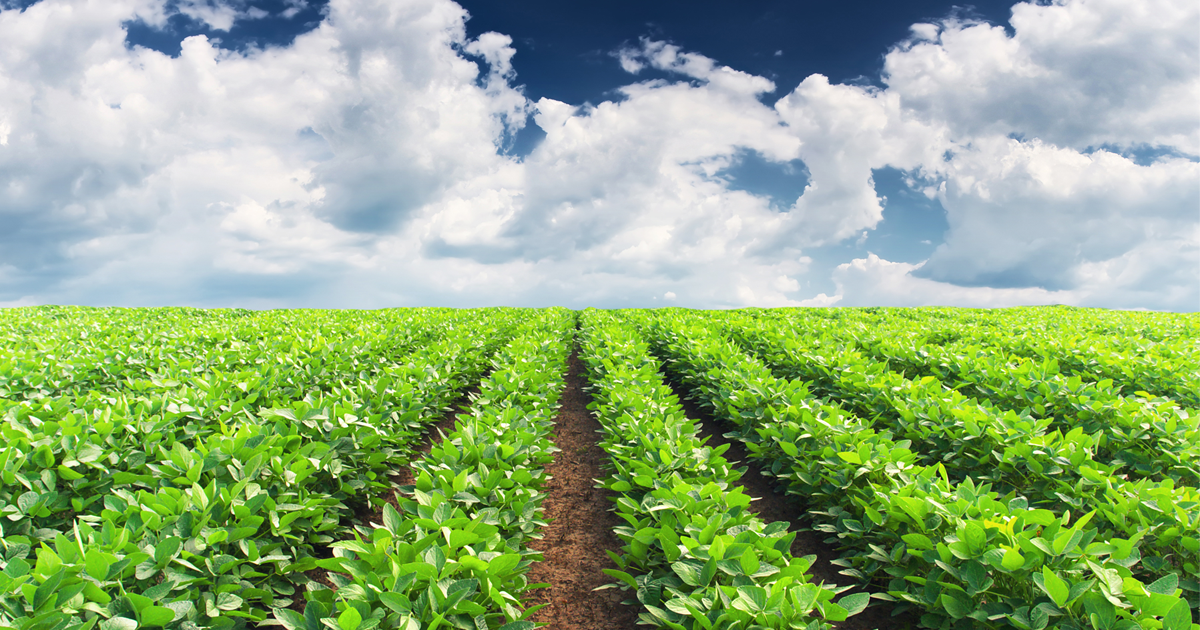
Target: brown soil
point(772, 505)
point(580, 526)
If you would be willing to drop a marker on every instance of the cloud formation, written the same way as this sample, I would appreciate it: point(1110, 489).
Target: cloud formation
point(364, 165)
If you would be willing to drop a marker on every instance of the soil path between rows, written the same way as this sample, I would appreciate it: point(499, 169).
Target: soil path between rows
point(580, 525)
point(770, 504)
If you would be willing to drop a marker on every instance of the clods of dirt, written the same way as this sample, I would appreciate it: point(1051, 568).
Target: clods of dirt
point(580, 526)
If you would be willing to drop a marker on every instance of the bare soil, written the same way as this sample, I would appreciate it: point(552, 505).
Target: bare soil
point(580, 525)
point(771, 504)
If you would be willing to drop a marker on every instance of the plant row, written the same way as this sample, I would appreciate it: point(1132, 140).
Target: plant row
point(455, 553)
point(1147, 437)
point(1142, 353)
point(108, 350)
point(694, 554)
point(964, 554)
point(1015, 453)
point(1142, 439)
point(205, 504)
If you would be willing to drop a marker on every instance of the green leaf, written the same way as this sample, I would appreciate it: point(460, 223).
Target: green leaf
point(519, 625)
point(646, 535)
point(976, 537)
point(855, 603)
point(43, 457)
point(956, 608)
point(754, 598)
point(228, 601)
point(1101, 612)
point(749, 562)
point(157, 616)
point(118, 623)
point(851, 457)
point(621, 575)
point(1012, 560)
point(396, 602)
point(290, 619)
point(166, 549)
point(502, 565)
point(96, 564)
point(68, 474)
point(350, 619)
point(915, 508)
point(16, 568)
point(391, 519)
point(1179, 617)
point(45, 594)
point(1164, 585)
point(1055, 587)
point(917, 541)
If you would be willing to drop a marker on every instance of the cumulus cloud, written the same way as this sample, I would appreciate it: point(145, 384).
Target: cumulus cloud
point(1074, 74)
point(846, 132)
point(343, 135)
point(364, 165)
point(872, 281)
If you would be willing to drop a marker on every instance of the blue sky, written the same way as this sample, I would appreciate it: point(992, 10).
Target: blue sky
point(370, 153)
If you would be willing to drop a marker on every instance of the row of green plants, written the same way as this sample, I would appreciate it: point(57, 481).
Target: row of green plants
point(1015, 453)
point(1151, 438)
point(1047, 382)
point(64, 351)
point(964, 554)
point(454, 552)
point(693, 553)
point(1139, 352)
point(203, 500)
point(1151, 435)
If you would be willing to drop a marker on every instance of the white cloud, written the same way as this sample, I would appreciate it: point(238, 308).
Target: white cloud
point(336, 132)
point(1032, 214)
point(218, 15)
point(1074, 74)
point(872, 281)
point(845, 132)
point(294, 7)
point(362, 165)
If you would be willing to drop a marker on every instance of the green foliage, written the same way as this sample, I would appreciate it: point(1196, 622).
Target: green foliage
point(693, 554)
point(928, 504)
point(187, 476)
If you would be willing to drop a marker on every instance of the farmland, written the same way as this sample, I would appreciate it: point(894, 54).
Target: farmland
point(182, 468)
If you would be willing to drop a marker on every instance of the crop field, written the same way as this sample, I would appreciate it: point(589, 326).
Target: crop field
point(508, 469)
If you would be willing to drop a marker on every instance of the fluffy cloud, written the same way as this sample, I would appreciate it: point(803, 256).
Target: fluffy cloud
point(364, 165)
point(872, 281)
point(1031, 198)
point(1078, 74)
point(1036, 145)
point(119, 163)
point(846, 132)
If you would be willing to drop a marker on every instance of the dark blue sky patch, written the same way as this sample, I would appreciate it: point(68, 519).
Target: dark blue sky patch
point(753, 173)
point(525, 140)
point(564, 48)
point(279, 27)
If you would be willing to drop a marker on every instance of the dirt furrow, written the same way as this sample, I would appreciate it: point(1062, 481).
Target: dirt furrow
point(580, 525)
point(771, 504)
